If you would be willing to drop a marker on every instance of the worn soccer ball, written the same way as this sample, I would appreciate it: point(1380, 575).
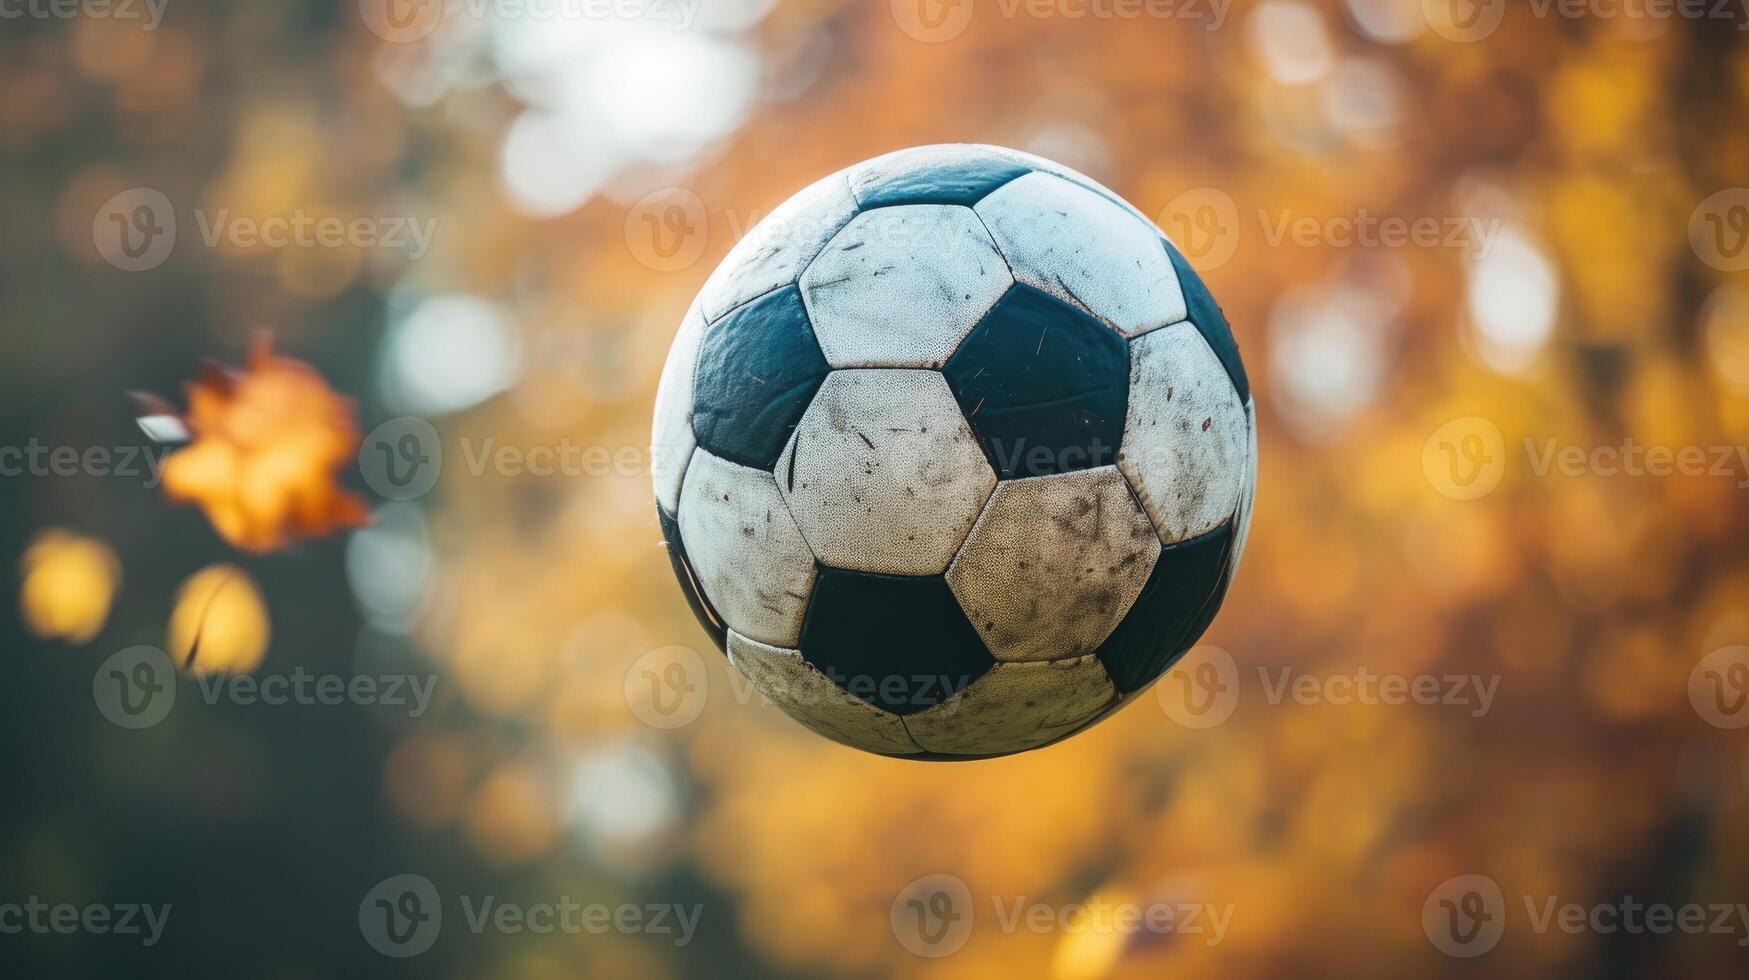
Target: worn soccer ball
point(954, 454)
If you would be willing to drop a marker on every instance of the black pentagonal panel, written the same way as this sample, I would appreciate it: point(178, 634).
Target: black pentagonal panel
point(966, 181)
point(1175, 607)
point(898, 642)
point(758, 367)
point(1044, 385)
point(1206, 316)
point(695, 597)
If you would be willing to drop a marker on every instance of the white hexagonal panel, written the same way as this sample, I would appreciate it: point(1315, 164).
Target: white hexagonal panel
point(1084, 249)
point(751, 560)
point(780, 246)
point(900, 286)
point(810, 697)
point(1187, 440)
point(1015, 707)
point(1053, 564)
point(1247, 493)
point(1074, 176)
point(671, 438)
point(883, 474)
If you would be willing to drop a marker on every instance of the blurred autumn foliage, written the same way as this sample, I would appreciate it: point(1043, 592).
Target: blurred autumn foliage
point(1579, 304)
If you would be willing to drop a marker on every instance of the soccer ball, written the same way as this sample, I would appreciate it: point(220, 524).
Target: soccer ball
point(954, 454)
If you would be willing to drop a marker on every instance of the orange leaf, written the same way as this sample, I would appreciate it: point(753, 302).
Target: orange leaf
point(268, 442)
